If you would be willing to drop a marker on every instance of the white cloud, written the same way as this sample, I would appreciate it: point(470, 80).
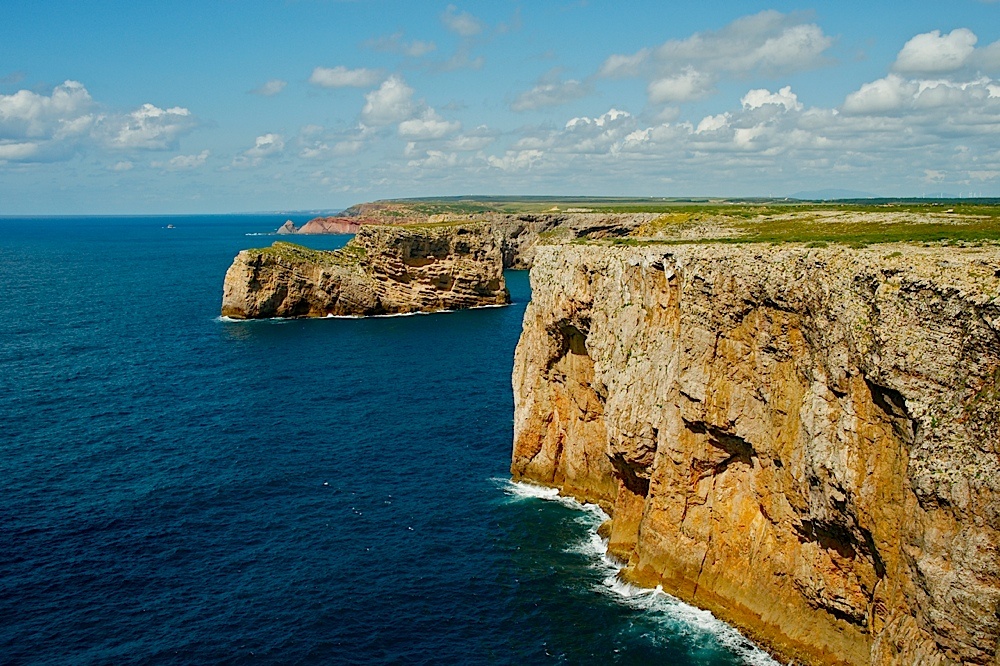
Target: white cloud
point(463, 24)
point(149, 127)
point(769, 42)
point(434, 159)
point(391, 103)
point(713, 123)
point(603, 120)
point(270, 88)
point(547, 94)
point(18, 152)
point(27, 114)
point(123, 165)
point(266, 145)
point(428, 125)
point(882, 96)
point(342, 77)
point(395, 43)
point(515, 160)
point(473, 140)
point(184, 162)
point(933, 52)
point(754, 99)
point(684, 87)
point(623, 66)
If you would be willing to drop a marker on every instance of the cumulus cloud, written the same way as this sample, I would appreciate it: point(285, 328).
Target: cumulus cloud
point(754, 99)
point(20, 152)
point(622, 65)
point(896, 95)
point(472, 142)
point(269, 88)
point(266, 145)
point(184, 162)
point(463, 24)
point(395, 43)
point(149, 127)
point(550, 93)
point(767, 43)
point(515, 160)
point(683, 87)
point(391, 103)
point(713, 123)
point(26, 114)
point(342, 77)
point(428, 125)
point(40, 128)
point(933, 52)
point(434, 159)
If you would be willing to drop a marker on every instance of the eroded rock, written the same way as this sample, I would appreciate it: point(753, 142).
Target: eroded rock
point(382, 270)
point(805, 441)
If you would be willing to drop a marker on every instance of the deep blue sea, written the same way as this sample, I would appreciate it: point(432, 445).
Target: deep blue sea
point(176, 489)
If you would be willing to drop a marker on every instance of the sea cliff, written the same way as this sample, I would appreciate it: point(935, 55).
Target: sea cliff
point(805, 441)
point(382, 270)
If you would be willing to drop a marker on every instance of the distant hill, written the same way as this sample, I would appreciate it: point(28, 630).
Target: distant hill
point(831, 194)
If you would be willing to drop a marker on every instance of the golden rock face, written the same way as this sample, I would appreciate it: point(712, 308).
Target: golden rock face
point(804, 441)
point(382, 270)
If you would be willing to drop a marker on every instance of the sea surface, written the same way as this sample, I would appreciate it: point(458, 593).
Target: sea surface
point(177, 489)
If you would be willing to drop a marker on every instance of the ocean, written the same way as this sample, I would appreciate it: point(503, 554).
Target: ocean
point(179, 489)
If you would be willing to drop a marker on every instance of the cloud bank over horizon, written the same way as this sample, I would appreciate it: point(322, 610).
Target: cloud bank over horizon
point(749, 107)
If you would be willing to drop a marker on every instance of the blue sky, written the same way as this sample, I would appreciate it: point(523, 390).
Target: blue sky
point(237, 105)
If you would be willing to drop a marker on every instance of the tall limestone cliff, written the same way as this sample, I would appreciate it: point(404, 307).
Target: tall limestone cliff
point(382, 270)
point(804, 441)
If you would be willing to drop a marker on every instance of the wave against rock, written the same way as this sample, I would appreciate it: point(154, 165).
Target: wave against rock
point(804, 441)
point(382, 270)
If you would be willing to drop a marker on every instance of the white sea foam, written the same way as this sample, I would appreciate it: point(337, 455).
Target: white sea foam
point(522, 490)
point(676, 617)
point(261, 233)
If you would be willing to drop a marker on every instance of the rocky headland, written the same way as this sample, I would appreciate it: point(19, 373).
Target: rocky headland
point(382, 270)
point(804, 440)
point(323, 225)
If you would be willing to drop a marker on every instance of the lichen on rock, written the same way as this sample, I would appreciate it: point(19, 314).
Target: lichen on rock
point(804, 441)
point(382, 270)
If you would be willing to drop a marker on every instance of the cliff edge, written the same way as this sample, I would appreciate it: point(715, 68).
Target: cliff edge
point(382, 270)
point(805, 441)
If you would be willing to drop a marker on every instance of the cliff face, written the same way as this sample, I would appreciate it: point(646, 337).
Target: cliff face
point(804, 441)
point(382, 270)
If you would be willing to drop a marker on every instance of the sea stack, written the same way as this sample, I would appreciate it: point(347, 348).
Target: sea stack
point(382, 270)
point(805, 441)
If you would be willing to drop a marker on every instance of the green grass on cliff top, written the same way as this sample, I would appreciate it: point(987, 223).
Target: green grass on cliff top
point(349, 254)
point(856, 222)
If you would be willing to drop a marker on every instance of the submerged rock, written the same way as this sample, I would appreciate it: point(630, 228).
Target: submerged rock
point(382, 270)
point(804, 441)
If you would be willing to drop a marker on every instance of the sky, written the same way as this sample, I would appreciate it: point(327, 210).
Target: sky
point(216, 106)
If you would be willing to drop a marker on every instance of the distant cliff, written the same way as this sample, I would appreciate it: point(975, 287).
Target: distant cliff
point(804, 441)
point(323, 225)
point(382, 270)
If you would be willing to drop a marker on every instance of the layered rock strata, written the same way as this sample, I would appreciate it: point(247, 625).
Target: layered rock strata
point(382, 270)
point(804, 441)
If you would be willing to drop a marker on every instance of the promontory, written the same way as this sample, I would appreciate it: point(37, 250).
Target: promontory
point(804, 440)
point(382, 270)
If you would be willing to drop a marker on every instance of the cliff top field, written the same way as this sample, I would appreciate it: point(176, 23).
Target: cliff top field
point(853, 222)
